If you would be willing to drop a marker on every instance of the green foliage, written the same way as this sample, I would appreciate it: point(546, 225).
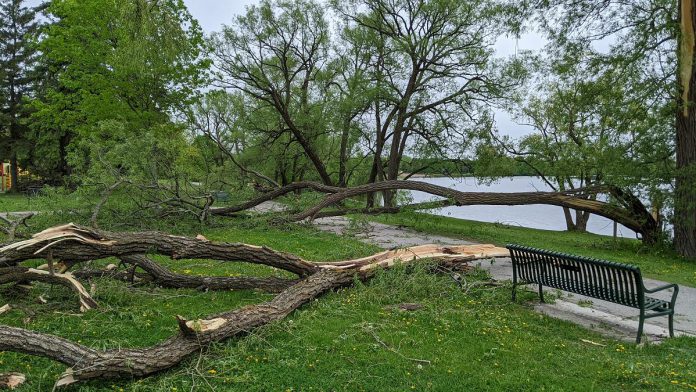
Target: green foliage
point(118, 71)
point(18, 80)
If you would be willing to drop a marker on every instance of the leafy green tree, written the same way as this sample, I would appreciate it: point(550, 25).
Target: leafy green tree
point(134, 62)
point(18, 35)
point(434, 73)
point(277, 54)
point(658, 35)
point(591, 128)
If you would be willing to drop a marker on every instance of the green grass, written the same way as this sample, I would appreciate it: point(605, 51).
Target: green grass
point(17, 202)
point(350, 340)
point(355, 340)
point(659, 262)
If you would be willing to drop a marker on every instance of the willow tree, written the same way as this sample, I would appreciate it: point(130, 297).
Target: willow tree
point(277, 54)
point(433, 66)
point(659, 36)
point(591, 126)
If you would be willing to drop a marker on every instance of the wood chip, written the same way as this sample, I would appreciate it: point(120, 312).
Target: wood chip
point(11, 380)
point(593, 343)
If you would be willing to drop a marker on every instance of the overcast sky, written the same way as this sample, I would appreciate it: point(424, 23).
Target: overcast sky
point(212, 14)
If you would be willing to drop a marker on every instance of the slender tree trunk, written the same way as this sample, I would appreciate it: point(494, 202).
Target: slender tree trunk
point(581, 218)
point(14, 172)
point(685, 185)
point(570, 225)
point(343, 155)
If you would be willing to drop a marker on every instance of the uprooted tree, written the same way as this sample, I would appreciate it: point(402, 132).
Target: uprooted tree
point(66, 246)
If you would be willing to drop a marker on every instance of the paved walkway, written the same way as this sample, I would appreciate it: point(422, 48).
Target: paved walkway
point(609, 319)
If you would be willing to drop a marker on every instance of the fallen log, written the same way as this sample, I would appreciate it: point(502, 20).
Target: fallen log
point(165, 278)
point(86, 363)
point(77, 243)
point(274, 194)
point(628, 210)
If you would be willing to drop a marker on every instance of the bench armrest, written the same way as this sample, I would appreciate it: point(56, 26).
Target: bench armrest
point(665, 287)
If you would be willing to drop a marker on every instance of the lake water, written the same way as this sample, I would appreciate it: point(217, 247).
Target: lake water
point(538, 216)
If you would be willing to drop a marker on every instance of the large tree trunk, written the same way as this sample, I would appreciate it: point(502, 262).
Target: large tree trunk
point(86, 363)
point(685, 186)
point(628, 209)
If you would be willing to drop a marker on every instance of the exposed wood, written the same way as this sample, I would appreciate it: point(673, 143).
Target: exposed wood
point(77, 243)
point(87, 363)
point(24, 274)
point(11, 380)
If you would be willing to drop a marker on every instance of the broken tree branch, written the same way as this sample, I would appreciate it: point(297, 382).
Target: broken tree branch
point(166, 278)
point(78, 243)
point(87, 363)
point(24, 274)
point(13, 225)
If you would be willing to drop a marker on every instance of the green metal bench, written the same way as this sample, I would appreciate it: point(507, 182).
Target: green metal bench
point(605, 280)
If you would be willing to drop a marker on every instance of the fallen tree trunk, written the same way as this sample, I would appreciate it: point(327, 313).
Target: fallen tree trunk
point(87, 363)
point(274, 194)
point(166, 278)
point(77, 243)
point(161, 276)
point(629, 211)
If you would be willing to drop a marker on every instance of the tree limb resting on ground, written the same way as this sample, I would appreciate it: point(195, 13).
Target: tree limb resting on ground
point(24, 274)
point(87, 363)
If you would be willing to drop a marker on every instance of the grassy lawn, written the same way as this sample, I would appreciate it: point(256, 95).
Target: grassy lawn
point(658, 263)
point(17, 202)
point(350, 340)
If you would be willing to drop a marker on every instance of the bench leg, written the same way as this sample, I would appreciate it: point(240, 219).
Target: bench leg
point(640, 326)
point(671, 324)
point(541, 293)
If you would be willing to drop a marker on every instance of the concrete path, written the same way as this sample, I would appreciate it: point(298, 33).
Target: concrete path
point(609, 319)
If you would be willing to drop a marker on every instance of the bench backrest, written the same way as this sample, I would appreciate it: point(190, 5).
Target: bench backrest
point(606, 280)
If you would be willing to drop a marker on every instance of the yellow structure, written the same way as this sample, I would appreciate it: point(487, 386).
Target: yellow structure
point(5, 177)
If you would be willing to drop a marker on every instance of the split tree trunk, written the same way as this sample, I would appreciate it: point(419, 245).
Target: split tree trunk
point(86, 363)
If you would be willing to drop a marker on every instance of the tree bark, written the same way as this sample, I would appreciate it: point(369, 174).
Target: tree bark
point(77, 243)
point(165, 278)
point(685, 185)
point(86, 363)
point(632, 214)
